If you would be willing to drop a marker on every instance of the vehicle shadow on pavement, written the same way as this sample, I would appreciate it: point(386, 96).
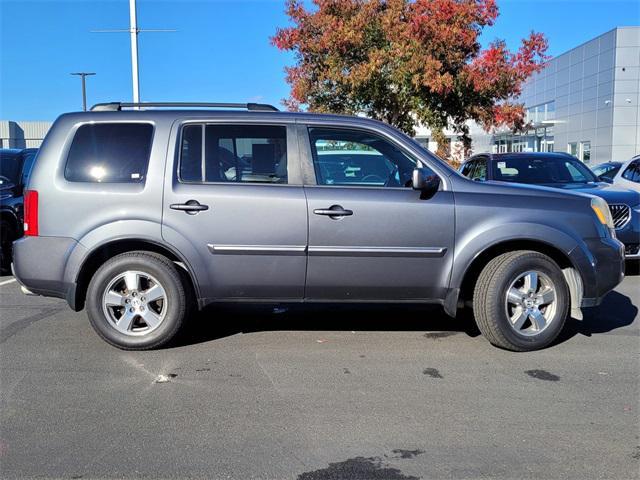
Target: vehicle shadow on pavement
point(224, 320)
point(616, 311)
point(219, 321)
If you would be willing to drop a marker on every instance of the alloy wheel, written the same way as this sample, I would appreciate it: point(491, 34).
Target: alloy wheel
point(531, 303)
point(135, 303)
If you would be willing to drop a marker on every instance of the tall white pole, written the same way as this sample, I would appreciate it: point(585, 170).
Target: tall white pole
point(133, 29)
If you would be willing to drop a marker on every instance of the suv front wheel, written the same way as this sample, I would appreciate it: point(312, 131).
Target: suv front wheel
point(137, 301)
point(521, 301)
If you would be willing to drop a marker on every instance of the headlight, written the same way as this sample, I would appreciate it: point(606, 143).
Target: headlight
point(602, 211)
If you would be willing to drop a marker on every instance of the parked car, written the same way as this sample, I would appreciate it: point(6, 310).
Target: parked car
point(629, 175)
point(563, 171)
point(606, 171)
point(140, 215)
point(15, 165)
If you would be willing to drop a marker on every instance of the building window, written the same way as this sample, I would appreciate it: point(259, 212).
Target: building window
point(424, 141)
point(572, 149)
point(551, 111)
point(585, 152)
point(540, 113)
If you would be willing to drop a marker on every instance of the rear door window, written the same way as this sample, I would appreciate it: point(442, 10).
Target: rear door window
point(110, 153)
point(233, 153)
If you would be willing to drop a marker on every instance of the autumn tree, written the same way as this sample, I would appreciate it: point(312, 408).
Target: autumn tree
point(407, 62)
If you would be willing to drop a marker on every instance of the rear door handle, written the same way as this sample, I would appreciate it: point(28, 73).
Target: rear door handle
point(334, 211)
point(191, 207)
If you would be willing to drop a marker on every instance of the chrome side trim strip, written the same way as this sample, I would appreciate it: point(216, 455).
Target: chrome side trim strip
point(331, 251)
point(378, 251)
point(257, 249)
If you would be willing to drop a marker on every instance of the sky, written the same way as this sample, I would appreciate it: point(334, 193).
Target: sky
point(221, 50)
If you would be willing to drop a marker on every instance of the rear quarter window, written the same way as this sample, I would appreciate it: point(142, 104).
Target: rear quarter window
point(109, 153)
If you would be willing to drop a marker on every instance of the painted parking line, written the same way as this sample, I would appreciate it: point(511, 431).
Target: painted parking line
point(6, 282)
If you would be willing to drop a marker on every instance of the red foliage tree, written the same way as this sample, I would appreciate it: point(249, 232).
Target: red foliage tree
point(407, 62)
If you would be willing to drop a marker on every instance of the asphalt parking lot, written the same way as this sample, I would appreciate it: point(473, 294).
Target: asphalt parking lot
point(328, 393)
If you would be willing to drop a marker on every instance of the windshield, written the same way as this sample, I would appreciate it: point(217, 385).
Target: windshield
point(542, 170)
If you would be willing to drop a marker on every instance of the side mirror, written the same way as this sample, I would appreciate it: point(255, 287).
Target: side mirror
point(426, 181)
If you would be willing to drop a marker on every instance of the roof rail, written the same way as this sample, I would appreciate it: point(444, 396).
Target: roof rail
point(118, 106)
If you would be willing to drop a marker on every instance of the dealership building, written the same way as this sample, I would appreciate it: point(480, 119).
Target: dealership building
point(22, 134)
point(584, 102)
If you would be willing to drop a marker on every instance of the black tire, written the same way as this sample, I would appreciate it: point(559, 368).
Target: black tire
point(490, 293)
point(158, 267)
point(7, 236)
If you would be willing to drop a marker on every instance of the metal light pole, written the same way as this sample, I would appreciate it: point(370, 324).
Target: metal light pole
point(83, 75)
point(133, 31)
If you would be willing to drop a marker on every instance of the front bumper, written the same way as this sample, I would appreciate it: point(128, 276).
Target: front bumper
point(630, 236)
point(601, 268)
point(632, 251)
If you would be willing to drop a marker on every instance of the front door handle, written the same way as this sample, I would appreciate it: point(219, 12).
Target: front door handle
point(191, 207)
point(334, 211)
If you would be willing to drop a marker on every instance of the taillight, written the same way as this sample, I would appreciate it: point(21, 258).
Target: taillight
point(31, 213)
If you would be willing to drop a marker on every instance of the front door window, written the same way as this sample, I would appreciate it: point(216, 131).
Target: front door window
point(358, 159)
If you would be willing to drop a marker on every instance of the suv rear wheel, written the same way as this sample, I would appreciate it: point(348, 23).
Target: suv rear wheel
point(521, 301)
point(137, 301)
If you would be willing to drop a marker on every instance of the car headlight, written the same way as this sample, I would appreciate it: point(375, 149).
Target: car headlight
point(602, 211)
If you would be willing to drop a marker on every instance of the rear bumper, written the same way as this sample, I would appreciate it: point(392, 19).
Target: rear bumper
point(601, 268)
point(39, 265)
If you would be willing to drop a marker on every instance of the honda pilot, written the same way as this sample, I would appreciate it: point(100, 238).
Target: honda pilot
point(139, 213)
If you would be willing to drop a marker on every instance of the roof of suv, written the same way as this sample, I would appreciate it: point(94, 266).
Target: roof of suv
point(179, 109)
point(151, 113)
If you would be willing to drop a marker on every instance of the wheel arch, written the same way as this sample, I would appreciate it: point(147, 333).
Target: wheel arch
point(473, 270)
point(103, 252)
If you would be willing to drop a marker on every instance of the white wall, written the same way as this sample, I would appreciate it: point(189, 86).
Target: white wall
point(22, 134)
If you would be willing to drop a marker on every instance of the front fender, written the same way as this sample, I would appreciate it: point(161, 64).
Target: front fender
point(475, 242)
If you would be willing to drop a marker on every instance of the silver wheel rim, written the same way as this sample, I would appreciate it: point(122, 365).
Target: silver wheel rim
point(531, 303)
point(134, 303)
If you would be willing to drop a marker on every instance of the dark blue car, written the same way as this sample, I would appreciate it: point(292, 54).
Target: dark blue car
point(15, 165)
point(561, 170)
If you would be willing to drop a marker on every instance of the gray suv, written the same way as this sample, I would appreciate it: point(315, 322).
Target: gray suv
point(141, 214)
